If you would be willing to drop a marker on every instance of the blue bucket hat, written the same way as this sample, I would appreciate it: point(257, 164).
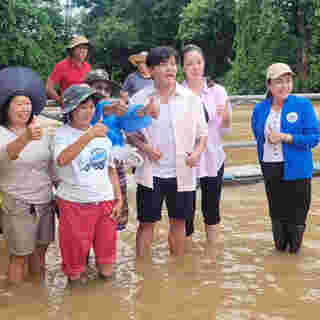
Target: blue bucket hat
point(75, 95)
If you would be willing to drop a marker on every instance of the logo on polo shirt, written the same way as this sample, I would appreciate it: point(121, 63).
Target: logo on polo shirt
point(292, 117)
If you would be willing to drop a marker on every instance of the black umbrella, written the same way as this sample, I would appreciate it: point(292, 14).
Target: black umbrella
point(22, 81)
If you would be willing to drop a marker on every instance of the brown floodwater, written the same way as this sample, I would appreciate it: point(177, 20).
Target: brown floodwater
point(242, 278)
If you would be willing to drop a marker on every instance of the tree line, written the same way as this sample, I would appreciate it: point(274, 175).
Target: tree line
point(240, 38)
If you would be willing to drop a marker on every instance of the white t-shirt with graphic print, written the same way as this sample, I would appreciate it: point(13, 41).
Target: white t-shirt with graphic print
point(86, 178)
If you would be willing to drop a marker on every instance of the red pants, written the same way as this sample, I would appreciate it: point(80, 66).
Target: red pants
point(82, 226)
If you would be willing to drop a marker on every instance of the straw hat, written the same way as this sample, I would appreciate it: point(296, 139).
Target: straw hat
point(138, 58)
point(76, 41)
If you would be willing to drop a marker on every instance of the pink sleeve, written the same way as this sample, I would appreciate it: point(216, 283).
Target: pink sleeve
point(221, 98)
point(216, 96)
point(220, 94)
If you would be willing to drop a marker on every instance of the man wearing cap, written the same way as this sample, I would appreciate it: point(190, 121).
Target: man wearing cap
point(135, 82)
point(140, 78)
point(71, 70)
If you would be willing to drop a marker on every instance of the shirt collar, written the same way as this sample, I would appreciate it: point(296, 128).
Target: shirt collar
point(205, 88)
point(180, 90)
point(74, 63)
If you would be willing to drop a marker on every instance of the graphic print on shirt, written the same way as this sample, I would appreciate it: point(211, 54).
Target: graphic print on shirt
point(95, 159)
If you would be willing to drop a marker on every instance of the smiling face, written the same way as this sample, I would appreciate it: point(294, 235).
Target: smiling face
point(20, 109)
point(83, 114)
point(102, 87)
point(193, 65)
point(281, 87)
point(165, 74)
point(80, 52)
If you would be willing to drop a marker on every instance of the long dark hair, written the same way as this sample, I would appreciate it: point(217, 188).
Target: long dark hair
point(4, 114)
point(268, 93)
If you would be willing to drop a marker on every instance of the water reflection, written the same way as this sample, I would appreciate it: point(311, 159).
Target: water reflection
point(241, 278)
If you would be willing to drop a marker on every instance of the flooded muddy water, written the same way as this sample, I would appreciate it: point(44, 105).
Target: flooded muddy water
point(243, 278)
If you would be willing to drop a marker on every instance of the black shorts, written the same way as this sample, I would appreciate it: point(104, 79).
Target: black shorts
point(180, 205)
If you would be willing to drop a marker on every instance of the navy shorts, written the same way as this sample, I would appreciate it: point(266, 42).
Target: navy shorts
point(180, 205)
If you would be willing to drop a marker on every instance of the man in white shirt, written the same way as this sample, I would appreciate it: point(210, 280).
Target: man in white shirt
point(175, 141)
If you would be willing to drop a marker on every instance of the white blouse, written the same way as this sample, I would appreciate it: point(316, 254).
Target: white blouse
point(272, 152)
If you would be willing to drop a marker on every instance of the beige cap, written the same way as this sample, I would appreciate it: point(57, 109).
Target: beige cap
point(278, 69)
point(138, 58)
point(76, 41)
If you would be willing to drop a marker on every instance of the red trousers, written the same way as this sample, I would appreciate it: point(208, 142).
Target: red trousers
point(82, 226)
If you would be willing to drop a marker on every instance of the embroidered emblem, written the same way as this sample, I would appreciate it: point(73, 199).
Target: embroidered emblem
point(292, 117)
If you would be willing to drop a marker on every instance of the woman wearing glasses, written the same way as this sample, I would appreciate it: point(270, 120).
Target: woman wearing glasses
point(286, 129)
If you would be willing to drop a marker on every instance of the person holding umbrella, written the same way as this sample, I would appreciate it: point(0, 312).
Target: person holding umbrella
point(71, 70)
point(26, 172)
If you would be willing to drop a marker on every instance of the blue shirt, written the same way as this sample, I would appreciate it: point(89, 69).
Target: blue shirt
point(299, 119)
point(135, 82)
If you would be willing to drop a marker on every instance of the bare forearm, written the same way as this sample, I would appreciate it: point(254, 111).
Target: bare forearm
point(226, 122)
point(15, 147)
point(201, 145)
point(52, 92)
point(138, 140)
point(72, 151)
point(114, 178)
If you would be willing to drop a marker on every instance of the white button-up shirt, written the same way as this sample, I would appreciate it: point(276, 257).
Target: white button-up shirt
point(188, 125)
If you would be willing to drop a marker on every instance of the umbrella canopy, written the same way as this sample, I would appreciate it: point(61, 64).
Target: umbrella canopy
point(22, 81)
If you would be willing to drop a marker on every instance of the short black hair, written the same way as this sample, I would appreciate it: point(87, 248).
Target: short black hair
point(161, 54)
point(4, 114)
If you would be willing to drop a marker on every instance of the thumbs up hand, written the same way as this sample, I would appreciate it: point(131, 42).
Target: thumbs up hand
point(34, 131)
point(99, 130)
point(274, 137)
point(151, 109)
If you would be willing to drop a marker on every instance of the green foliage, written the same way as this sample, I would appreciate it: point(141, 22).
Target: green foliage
point(271, 36)
point(239, 38)
point(210, 24)
point(28, 29)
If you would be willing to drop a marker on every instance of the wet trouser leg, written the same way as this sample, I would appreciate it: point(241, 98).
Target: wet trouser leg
point(299, 203)
point(210, 201)
point(277, 213)
point(289, 202)
point(272, 174)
